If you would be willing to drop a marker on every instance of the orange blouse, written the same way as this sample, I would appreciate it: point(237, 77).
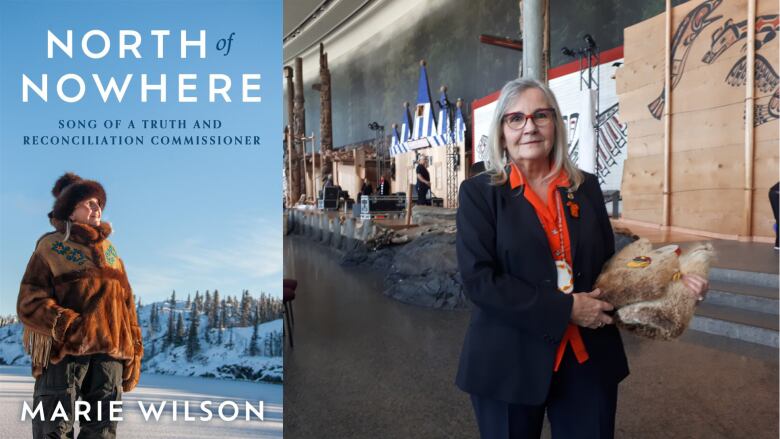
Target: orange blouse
point(548, 214)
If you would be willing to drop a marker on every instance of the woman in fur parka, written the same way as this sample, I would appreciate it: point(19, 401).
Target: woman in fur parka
point(78, 311)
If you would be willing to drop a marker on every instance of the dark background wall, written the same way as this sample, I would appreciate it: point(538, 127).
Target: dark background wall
point(374, 80)
point(604, 20)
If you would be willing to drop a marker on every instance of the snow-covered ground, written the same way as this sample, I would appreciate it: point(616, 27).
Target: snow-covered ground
point(220, 361)
point(227, 359)
point(16, 386)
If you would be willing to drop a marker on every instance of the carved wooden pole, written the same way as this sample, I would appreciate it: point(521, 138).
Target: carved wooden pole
point(299, 117)
point(292, 194)
point(326, 121)
point(293, 159)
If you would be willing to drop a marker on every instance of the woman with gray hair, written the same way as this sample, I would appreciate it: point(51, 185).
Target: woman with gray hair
point(533, 235)
point(532, 230)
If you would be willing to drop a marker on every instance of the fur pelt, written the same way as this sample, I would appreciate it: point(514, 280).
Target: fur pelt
point(75, 299)
point(645, 288)
point(69, 190)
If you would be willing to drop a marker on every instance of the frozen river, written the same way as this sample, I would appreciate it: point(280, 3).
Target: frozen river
point(16, 386)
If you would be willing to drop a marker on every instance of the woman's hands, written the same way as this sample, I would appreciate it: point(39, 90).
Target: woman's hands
point(588, 310)
point(696, 284)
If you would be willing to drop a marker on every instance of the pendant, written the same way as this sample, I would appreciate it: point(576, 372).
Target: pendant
point(565, 278)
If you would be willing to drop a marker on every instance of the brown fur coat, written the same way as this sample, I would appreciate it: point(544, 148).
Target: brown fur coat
point(644, 286)
point(75, 300)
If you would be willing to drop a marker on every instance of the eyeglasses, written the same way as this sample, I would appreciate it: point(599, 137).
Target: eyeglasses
point(90, 204)
point(542, 117)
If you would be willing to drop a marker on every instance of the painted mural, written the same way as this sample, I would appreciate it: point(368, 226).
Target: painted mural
point(766, 108)
point(684, 36)
point(727, 35)
point(606, 159)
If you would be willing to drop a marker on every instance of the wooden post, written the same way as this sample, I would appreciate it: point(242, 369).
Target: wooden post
point(326, 120)
point(305, 171)
point(314, 168)
point(409, 205)
point(750, 77)
point(666, 218)
point(299, 124)
point(291, 195)
point(292, 150)
point(545, 39)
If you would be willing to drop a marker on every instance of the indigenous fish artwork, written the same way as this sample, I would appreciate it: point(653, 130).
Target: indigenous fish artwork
point(645, 287)
point(766, 78)
point(684, 36)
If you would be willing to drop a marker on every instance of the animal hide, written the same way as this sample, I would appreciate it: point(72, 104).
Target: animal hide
point(645, 288)
point(75, 299)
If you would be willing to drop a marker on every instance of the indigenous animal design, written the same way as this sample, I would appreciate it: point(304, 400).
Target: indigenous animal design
point(686, 33)
point(612, 140)
point(765, 108)
point(644, 286)
point(731, 33)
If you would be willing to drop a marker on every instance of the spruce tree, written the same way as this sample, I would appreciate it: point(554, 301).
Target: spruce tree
point(198, 301)
point(179, 339)
point(215, 309)
point(193, 342)
point(220, 330)
point(171, 336)
point(253, 348)
point(246, 308)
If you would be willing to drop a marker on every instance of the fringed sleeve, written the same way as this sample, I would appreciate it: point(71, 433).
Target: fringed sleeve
point(44, 320)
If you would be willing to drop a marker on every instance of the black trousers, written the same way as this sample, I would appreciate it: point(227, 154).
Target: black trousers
point(579, 406)
point(94, 378)
point(422, 195)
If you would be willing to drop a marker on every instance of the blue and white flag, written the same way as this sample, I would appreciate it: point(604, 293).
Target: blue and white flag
point(406, 124)
point(444, 114)
point(424, 123)
point(396, 147)
point(460, 124)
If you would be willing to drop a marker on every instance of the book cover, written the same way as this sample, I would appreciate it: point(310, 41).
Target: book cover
point(154, 121)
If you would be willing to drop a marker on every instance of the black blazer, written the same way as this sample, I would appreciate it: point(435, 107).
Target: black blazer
point(509, 275)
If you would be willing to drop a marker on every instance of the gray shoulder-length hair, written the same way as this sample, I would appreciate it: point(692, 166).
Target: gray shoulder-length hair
point(559, 155)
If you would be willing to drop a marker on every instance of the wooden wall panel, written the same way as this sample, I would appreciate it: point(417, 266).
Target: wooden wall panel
point(633, 104)
point(652, 144)
point(708, 168)
point(708, 128)
point(648, 130)
point(715, 210)
point(766, 162)
point(708, 138)
point(643, 207)
point(640, 73)
point(636, 37)
point(643, 175)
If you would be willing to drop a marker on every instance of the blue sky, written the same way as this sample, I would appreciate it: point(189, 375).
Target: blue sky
point(185, 218)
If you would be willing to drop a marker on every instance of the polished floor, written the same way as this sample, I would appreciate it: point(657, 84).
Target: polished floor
point(367, 366)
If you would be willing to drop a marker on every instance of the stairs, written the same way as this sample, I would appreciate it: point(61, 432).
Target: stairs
point(742, 305)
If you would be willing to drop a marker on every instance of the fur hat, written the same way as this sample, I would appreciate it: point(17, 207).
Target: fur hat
point(70, 190)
